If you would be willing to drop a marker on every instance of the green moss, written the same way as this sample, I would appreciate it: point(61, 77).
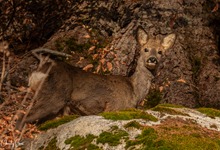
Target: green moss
point(56, 122)
point(153, 98)
point(128, 115)
point(51, 145)
point(181, 139)
point(80, 143)
point(168, 110)
point(112, 138)
point(133, 124)
point(192, 142)
point(148, 140)
point(211, 112)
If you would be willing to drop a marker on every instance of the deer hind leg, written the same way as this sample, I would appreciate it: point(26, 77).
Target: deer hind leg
point(87, 106)
point(41, 111)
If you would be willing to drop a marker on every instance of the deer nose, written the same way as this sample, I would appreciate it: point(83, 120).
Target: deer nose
point(152, 60)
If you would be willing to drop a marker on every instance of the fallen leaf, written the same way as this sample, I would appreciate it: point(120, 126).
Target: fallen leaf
point(102, 60)
point(98, 68)
point(87, 36)
point(109, 66)
point(89, 66)
point(161, 88)
point(95, 56)
point(91, 49)
point(215, 8)
point(181, 80)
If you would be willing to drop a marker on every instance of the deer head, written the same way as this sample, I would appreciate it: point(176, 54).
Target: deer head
point(151, 49)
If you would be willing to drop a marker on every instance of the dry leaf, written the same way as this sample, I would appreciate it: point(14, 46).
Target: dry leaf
point(22, 89)
point(109, 66)
point(89, 66)
point(80, 60)
point(7, 118)
point(161, 88)
point(98, 68)
point(87, 36)
point(181, 80)
point(95, 56)
point(215, 8)
point(91, 49)
point(102, 60)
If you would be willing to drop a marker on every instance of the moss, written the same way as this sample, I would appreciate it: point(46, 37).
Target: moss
point(153, 98)
point(133, 124)
point(51, 145)
point(211, 112)
point(112, 138)
point(148, 140)
point(181, 138)
point(80, 143)
point(128, 115)
point(56, 122)
point(169, 110)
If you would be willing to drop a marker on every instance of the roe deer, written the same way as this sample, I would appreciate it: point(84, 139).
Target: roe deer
point(85, 93)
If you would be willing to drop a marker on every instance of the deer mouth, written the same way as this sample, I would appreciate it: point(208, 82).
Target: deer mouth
point(151, 63)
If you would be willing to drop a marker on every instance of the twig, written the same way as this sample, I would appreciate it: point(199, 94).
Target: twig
point(49, 51)
point(3, 72)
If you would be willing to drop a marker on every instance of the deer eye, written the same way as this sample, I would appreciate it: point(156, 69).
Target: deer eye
point(160, 52)
point(146, 50)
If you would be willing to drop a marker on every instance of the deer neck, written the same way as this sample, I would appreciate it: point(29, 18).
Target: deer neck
point(141, 80)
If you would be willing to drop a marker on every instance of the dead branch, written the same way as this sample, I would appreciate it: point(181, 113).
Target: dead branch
point(49, 51)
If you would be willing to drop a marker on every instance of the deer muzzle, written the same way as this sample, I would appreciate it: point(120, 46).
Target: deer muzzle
point(151, 63)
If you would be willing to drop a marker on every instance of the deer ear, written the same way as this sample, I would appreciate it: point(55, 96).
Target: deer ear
point(142, 36)
point(168, 41)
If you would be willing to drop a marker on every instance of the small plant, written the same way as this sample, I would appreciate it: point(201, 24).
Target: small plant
point(153, 98)
point(56, 122)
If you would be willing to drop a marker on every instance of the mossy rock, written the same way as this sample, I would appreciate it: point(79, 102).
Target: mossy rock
point(211, 112)
point(128, 115)
point(56, 122)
